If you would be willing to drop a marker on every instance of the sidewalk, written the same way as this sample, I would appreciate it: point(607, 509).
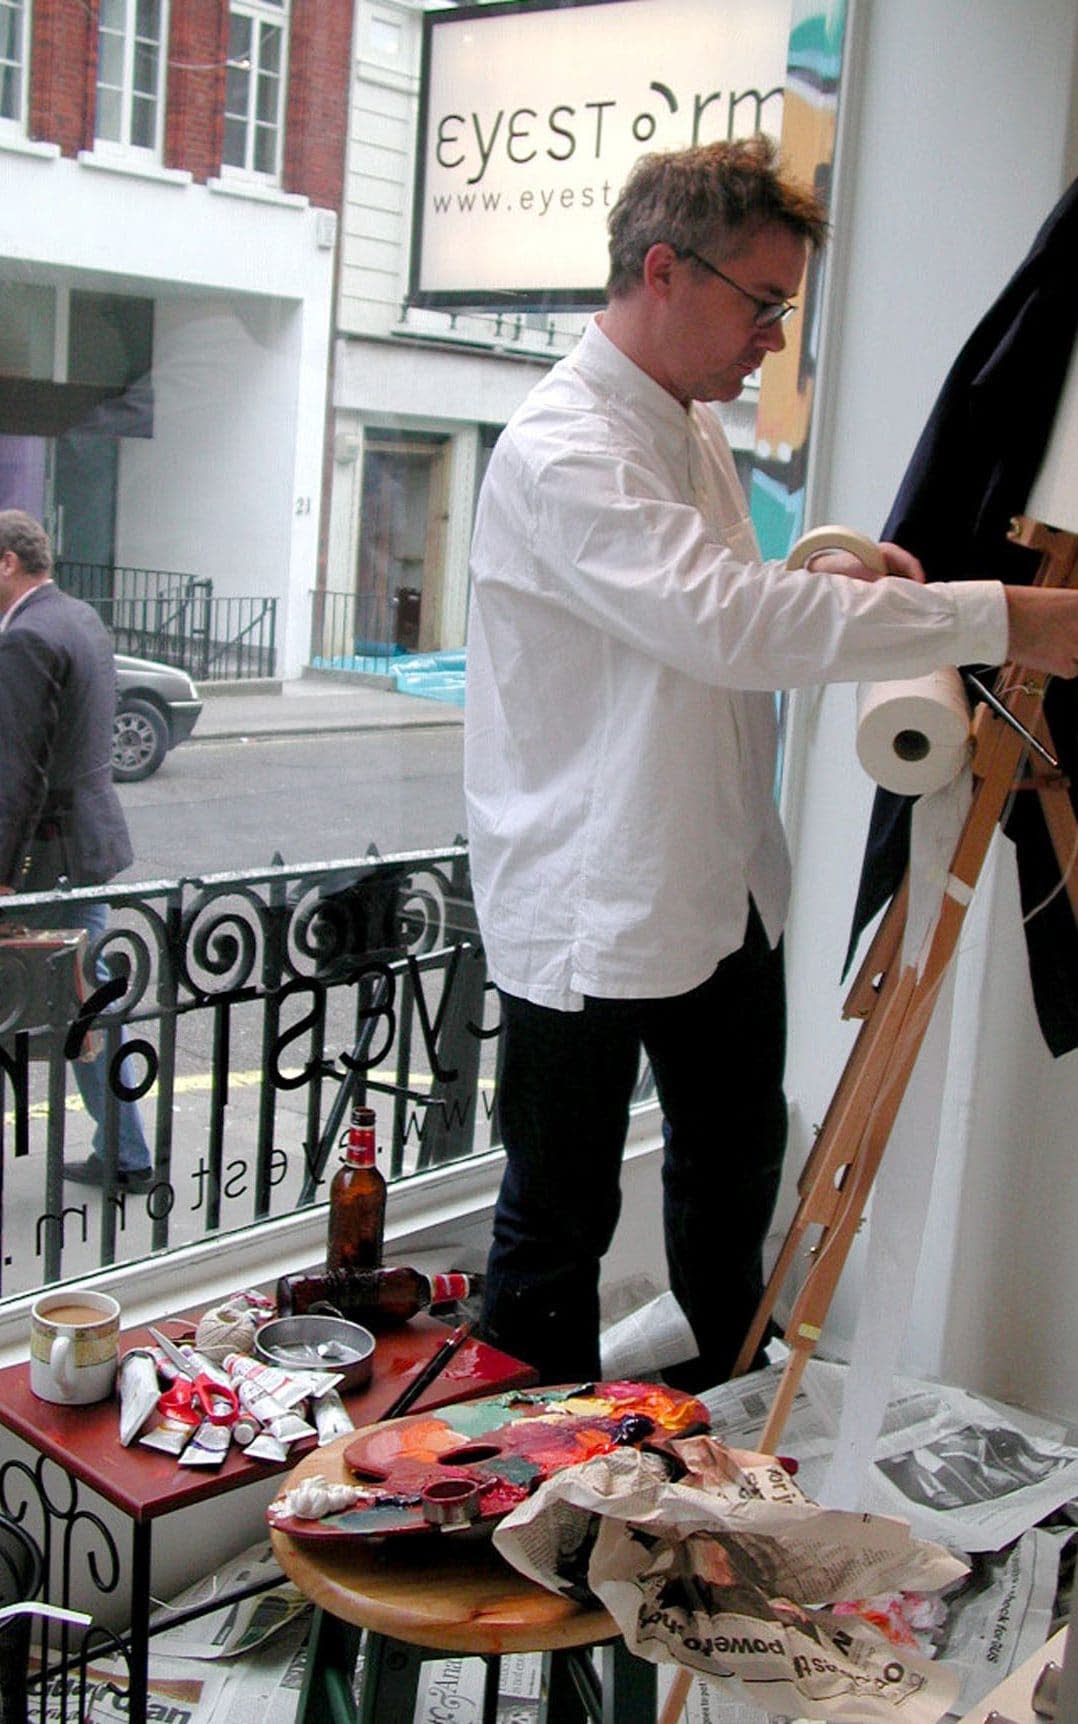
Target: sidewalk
point(310, 706)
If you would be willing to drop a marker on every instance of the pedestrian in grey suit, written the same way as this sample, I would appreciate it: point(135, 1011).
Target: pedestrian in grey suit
point(60, 817)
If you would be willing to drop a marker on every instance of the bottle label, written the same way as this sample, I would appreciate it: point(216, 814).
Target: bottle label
point(445, 1288)
point(360, 1148)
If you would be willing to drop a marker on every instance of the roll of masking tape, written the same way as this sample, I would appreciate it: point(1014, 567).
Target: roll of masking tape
point(914, 737)
point(837, 539)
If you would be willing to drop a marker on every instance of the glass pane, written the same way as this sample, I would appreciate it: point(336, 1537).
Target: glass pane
point(235, 138)
point(113, 15)
point(9, 93)
point(266, 149)
point(148, 20)
point(143, 122)
point(237, 88)
point(11, 34)
point(110, 59)
point(109, 115)
point(269, 48)
point(147, 60)
point(239, 37)
point(269, 97)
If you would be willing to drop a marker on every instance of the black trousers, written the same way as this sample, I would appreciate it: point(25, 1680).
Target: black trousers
point(717, 1054)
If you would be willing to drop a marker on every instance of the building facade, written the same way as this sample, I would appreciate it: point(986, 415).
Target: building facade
point(173, 172)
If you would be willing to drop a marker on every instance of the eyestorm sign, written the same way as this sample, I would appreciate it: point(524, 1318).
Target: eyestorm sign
point(532, 116)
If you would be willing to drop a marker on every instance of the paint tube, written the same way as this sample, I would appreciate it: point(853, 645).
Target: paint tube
point(289, 1428)
point(266, 1448)
point(331, 1418)
point(171, 1436)
point(314, 1498)
point(138, 1390)
point(286, 1387)
point(208, 1447)
point(258, 1402)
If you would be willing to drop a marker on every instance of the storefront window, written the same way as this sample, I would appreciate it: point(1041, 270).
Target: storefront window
point(235, 400)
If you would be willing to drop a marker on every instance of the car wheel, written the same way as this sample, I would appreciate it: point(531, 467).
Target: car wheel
point(139, 741)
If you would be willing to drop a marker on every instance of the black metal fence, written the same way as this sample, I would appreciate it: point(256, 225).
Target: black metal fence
point(155, 613)
point(255, 1008)
point(358, 631)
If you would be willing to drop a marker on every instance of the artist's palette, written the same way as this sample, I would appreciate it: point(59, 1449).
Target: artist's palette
point(467, 1465)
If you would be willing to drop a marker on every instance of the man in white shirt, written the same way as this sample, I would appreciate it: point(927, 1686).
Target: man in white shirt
point(629, 868)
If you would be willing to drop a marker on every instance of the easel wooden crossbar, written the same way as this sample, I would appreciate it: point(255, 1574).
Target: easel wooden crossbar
point(895, 1000)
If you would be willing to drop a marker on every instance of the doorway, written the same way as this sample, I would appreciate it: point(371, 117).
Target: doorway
point(401, 564)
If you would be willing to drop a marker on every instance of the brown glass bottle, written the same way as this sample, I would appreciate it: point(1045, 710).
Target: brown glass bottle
point(374, 1297)
point(357, 1200)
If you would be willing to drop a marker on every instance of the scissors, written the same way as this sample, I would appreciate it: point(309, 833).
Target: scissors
point(196, 1395)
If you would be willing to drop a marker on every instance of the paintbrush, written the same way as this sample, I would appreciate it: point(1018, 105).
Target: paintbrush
point(434, 1367)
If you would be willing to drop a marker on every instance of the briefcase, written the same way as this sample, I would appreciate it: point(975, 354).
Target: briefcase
point(42, 985)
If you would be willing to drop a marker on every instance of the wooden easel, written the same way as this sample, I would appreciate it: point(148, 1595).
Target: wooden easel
point(895, 1001)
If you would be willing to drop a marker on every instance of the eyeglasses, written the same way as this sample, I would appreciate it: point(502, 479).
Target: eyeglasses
point(768, 311)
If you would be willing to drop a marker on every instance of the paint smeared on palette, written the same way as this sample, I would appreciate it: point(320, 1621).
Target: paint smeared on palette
point(504, 1445)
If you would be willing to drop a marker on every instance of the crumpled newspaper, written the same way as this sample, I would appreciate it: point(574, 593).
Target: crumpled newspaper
point(725, 1570)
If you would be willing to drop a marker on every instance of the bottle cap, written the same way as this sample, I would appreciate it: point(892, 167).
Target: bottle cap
point(359, 1145)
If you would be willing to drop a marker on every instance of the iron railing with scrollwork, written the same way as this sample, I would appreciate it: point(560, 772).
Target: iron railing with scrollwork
point(243, 1013)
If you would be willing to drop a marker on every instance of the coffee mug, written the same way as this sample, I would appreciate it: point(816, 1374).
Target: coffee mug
point(74, 1346)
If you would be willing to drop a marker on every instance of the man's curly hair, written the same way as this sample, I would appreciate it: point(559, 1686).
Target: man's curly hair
point(713, 197)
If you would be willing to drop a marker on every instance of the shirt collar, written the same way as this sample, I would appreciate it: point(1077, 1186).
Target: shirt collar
point(620, 376)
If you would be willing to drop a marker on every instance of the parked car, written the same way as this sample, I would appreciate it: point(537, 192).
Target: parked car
point(157, 706)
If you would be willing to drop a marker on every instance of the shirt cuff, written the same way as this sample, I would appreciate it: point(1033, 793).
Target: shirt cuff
point(980, 609)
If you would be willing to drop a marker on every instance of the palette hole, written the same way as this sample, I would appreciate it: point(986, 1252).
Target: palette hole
point(469, 1455)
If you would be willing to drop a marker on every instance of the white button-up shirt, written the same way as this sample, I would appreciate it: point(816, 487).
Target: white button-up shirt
point(620, 732)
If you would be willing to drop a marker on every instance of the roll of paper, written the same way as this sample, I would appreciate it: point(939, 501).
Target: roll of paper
point(913, 737)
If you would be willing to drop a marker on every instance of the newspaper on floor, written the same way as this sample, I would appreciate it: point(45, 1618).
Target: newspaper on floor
point(725, 1570)
point(646, 1340)
point(237, 1627)
point(967, 1472)
point(1004, 1611)
point(178, 1694)
point(1001, 1615)
point(264, 1683)
point(451, 1690)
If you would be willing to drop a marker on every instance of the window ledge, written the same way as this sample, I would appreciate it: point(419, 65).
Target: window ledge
point(20, 145)
point(133, 168)
point(422, 1208)
point(259, 192)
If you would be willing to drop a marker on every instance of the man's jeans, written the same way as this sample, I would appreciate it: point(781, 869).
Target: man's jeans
point(717, 1056)
point(92, 1075)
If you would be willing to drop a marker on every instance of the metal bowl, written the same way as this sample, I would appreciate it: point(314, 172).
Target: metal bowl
point(318, 1344)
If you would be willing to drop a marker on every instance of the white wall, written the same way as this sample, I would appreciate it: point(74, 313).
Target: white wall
point(242, 277)
point(955, 148)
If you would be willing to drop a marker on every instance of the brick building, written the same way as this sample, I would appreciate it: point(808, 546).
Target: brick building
point(173, 171)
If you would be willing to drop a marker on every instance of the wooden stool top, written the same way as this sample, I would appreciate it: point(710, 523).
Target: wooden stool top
point(450, 1591)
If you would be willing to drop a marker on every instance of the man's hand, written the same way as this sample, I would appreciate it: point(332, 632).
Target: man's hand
point(1043, 628)
point(898, 561)
point(6, 891)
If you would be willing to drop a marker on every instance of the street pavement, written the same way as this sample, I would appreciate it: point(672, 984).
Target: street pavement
point(309, 706)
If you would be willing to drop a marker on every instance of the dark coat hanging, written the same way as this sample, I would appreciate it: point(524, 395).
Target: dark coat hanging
point(971, 472)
